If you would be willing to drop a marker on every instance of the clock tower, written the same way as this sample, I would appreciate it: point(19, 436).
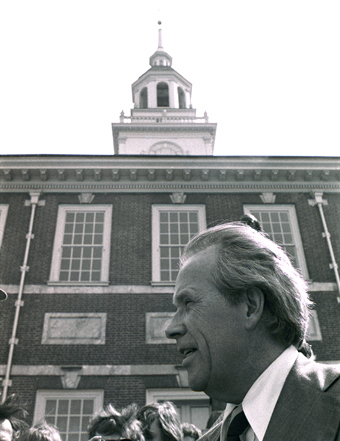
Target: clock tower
point(163, 121)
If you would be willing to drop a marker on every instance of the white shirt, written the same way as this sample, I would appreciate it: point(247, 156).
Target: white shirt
point(260, 400)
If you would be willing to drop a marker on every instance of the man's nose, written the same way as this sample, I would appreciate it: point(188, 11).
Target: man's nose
point(175, 328)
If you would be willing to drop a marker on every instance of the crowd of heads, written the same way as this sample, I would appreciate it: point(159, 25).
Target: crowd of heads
point(153, 422)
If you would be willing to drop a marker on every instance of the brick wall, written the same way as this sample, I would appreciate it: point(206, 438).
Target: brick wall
point(130, 259)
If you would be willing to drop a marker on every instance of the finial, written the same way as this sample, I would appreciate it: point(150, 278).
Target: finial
point(160, 45)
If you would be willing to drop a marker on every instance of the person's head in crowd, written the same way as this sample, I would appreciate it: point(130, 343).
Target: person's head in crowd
point(10, 423)
point(213, 418)
point(190, 432)
point(111, 424)
point(252, 221)
point(160, 422)
point(240, 303)
point(41, 432)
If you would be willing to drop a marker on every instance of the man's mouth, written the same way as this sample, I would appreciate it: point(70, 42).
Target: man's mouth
point(188, 352)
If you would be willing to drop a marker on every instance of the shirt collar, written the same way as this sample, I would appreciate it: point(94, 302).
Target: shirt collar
point(259, 402)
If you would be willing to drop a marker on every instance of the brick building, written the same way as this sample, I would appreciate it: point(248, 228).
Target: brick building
point(90, 246)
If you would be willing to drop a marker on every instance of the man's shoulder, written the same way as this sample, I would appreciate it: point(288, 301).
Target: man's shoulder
point(310, 394)
point(324, 376)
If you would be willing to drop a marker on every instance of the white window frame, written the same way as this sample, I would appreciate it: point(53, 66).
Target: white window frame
point(248, 209)
point(42, 395)
point(156, 209)
point(58, 243)
point(3, 217)
point(156, 395)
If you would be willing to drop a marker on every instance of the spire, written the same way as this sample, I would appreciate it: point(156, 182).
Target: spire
point(160, 57)
point(160, 45)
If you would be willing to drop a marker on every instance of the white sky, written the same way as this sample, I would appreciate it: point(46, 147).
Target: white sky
point(267, 72)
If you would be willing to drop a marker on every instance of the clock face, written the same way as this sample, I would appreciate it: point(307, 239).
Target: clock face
point(165, 148)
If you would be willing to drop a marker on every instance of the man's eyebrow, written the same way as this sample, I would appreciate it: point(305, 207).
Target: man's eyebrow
point(178, 298)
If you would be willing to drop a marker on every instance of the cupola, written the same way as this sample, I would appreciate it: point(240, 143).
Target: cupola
point(161, 85)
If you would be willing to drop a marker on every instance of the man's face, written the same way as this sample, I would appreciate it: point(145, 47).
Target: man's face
point(208, 329)
point(6, 430)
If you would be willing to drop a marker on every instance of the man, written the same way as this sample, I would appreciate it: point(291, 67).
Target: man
point(241, 323)
point(10, 425)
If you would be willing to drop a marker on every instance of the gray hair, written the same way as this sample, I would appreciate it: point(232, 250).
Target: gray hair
point(246, 259)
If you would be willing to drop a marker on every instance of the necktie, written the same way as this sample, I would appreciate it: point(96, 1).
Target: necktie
point(238, 424)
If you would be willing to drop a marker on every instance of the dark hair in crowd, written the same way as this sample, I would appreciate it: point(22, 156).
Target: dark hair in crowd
point(167, 416)
point(41, 432)
point(11, 410)
point(247, 258)
point(190, 430)
point(109, 421)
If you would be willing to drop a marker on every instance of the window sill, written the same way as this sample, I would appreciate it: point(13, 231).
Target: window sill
point(157, 283)
point(56, 283)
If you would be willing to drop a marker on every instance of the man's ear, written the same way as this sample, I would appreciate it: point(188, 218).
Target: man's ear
point(255, 305)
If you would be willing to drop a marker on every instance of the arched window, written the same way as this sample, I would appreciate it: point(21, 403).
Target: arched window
point(143, 100)
point(181, 98)
point(162, 95)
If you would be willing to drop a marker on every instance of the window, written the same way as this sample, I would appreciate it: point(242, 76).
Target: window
point(69, 411)
point(144, 98)
point(280, 222)
point(162, 95)
point(173, 227)
point(181, 98)
point(82, 244)
point(3, 215)
point(70, 328)
point(193, 407)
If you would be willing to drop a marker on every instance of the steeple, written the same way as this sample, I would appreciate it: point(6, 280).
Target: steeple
point(160, 45)
point(160, 57)
point(163, 121)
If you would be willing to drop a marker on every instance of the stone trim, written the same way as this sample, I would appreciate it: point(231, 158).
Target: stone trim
point(72, 289)
point(92, 370)
point(129, 289)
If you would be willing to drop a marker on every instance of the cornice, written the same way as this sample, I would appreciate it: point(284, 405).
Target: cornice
point(164, 127)
point(168, 174)
point(155, 72)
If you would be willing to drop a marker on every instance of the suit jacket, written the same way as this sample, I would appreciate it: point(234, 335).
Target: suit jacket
point(308, 408)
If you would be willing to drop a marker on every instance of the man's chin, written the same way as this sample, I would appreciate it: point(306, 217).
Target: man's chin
point(197, 386)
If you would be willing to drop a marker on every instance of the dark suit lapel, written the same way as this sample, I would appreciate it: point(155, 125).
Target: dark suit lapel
point(304, 411)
